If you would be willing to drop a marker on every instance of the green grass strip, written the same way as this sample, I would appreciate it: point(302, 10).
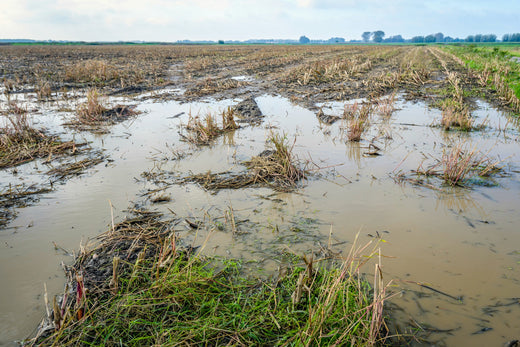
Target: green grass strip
point(194, 301)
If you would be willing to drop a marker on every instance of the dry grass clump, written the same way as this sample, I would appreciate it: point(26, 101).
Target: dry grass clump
point(91, 71)
point(21, 143)
point(386, 106)
point(355, 128)
point(93, 111)
point(277, 168)
point(458, 117)
point(43, 90)
point(202, 131)
point(461, 163)
point(355, 110)
point(357, 120)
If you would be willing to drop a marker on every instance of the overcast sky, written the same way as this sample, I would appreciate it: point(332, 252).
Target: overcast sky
point(172, 20)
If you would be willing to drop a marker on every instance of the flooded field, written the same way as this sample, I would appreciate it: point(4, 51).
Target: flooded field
point(450, 247)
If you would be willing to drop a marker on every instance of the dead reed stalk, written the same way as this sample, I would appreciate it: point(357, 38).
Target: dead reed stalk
point(357, 120)
point(461, 163)
point(202, 131)
point(92, 110)
point(457, 117)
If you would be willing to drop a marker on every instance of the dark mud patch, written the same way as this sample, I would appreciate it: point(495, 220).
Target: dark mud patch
point(248, 111)
point(18, 197)
point(140, 236)
point(327, 119)
point(118, 113)
point(143, 232)
point(75, 168)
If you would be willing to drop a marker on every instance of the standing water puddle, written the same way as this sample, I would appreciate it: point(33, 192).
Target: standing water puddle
point(460, 241)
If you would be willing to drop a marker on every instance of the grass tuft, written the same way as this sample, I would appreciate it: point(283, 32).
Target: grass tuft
point(92, 110)
point(203, 131)
point(386, 106)
point(461, 164)
point(277, 168)
point(20, 142)
point(457, 117)
point(357, 120)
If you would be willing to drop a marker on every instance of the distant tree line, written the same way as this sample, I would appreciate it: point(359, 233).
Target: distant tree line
point(305, 40)
point(438, 37)
point(378, 37)
point(481, 38)
point(511, 37)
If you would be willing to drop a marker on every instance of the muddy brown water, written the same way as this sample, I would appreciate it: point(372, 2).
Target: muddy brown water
point(464, 242)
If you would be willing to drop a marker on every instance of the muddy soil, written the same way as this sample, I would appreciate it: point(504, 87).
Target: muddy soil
point(303, 74)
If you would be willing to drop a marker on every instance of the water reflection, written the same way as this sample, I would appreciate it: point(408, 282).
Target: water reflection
point(354, 152)
point(228, 138)
point(458, 199)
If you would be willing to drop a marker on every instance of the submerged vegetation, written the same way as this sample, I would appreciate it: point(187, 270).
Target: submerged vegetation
point(144, 288)
point(458, 166)
point(20, 142)
point(17, 196)
point(277, 168)
point(357, 120)
point(94, 111)
point(202, 131)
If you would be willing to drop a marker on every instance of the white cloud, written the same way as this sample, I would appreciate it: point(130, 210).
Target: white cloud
point(305, 3)
point(241, 19)
point(12, 12)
